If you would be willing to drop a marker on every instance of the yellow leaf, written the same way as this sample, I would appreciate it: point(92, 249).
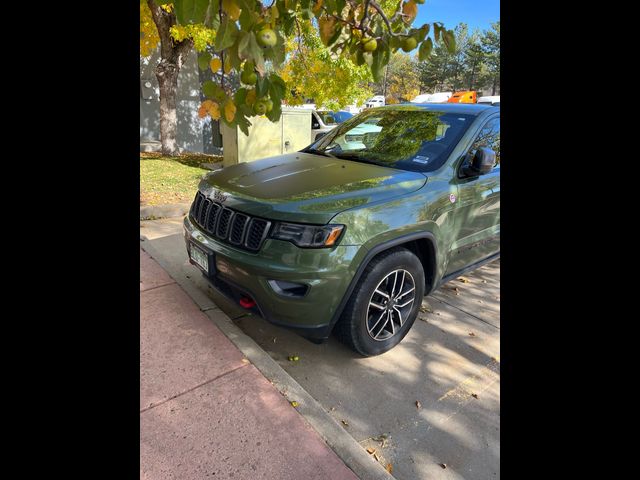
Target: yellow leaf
point(215, 64)
point(294, 404)
point(410, 9)
point(202, 112)
point(229, 111)
point(389, 468)
point(231, 8)
point(212, 108)
point(227, 65)
point(327, 28)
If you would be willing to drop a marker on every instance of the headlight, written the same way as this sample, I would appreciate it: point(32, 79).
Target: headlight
point(308, 236)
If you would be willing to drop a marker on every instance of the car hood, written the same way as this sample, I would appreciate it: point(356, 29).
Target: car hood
point(304, 187)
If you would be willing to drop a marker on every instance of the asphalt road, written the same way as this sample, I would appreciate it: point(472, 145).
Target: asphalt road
point(433, 400)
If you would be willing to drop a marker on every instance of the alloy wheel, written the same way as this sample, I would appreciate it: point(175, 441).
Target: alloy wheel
point(390, 304)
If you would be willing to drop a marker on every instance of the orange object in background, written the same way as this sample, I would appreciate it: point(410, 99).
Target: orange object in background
point(463, 97)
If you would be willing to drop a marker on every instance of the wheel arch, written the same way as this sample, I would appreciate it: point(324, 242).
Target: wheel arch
point(421, 244)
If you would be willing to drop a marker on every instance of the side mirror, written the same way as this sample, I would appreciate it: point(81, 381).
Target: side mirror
point(319, 135)
point(482, 162)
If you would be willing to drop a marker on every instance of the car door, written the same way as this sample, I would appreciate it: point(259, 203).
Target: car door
point(477, 214)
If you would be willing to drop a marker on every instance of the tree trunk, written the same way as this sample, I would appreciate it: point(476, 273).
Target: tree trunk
point(167, 75)
point(493, 89)
point(171, 60)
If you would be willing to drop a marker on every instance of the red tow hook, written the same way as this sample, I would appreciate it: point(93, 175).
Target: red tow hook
point(246, 302)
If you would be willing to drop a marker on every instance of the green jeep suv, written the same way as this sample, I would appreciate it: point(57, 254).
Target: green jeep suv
point(350, 233)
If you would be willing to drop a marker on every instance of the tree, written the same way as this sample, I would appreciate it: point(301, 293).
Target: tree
point(491, 47)
point(172, 54)
point(446, 68)
point(313, 71)
point(248, 38)
point(401, 81)
point(472, 64)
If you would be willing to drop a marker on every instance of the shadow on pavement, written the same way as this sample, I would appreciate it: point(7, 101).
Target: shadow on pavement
point(449, 363)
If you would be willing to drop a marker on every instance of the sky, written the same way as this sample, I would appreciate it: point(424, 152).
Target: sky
point(475, 13)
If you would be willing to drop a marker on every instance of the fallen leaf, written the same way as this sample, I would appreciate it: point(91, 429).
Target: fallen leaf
point(425, 307)
point(332, 409)
point(471, 334)
point(344, 423)
point(245, 360)
point(375, 455)
point(463, 279)
point(294, 404)
point(474, 395)
point(371, 450)
point(418, 404)
point(443, 465)
point(389, 468)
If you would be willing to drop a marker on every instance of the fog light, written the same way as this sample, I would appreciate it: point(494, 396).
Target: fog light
point(288, 289)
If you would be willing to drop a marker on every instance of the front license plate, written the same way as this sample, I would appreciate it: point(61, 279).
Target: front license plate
point(200, 258)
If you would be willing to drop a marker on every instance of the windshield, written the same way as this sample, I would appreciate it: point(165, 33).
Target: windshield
point(407, 137)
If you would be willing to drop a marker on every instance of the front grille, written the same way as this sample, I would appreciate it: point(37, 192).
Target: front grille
point(228, 225)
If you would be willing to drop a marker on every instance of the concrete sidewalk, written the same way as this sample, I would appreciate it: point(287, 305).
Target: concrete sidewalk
point(205, 410)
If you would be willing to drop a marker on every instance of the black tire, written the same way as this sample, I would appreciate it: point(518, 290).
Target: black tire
point(357, 317)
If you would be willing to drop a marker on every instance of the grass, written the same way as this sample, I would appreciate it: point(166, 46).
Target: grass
point(165, 180)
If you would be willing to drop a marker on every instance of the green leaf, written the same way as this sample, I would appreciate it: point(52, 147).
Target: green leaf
point(203, 60)
point(262, 86)
point(214, 20)
point(243, 124)
point(449, 39)
point(277, 88)
point(213, 91)
point(243, 45)
point(226, 35)
point(255, 52)
point(276, 111)
point(380, 58)
point(422, 33)
point(190, 11)
point(425, 49)
point(240, 96)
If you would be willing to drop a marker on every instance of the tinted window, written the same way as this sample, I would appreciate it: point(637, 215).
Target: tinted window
point(489, 137)
point(407, 137)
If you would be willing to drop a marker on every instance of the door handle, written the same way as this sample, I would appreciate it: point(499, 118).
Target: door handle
point(287, 144)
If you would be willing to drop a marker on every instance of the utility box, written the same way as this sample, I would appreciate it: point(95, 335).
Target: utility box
point(267, 139)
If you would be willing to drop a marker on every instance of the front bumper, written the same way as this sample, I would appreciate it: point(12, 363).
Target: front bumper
point(326, 272)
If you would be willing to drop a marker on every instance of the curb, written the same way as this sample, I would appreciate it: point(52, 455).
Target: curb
point(153, 212)
point(340, 441)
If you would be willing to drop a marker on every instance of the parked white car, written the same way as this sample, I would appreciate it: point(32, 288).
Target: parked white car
point(490, 100)
point(377, 101)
